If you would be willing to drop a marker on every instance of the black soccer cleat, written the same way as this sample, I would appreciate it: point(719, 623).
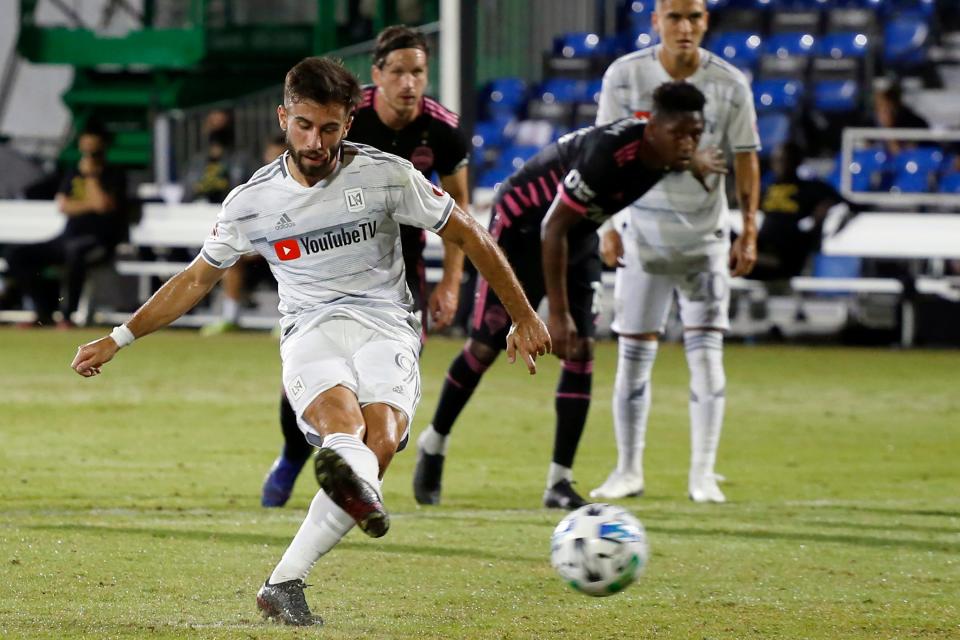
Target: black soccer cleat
point(286, 603)
point(562, 496)
point(427, 477)
point(351, 493)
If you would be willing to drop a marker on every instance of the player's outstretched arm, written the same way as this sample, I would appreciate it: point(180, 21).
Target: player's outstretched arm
point(558, 221)
point(528, 336)
point(178, 295)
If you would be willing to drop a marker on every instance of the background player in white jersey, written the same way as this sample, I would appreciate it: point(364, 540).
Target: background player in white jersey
point(675, 238)
point(326, 217)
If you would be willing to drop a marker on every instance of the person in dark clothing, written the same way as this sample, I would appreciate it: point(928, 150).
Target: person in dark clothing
point(891, 112)
point(793, 213)
point(92, 197)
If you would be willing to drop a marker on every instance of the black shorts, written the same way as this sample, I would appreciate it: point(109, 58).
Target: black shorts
point(491, 322)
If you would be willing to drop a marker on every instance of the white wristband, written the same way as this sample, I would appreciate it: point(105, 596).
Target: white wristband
point(122, 335)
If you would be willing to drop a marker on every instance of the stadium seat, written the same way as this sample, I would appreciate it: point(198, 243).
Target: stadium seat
point(836, 266)
point(950, 182)
point(774, 129)
point(561, 90)
point(579, 44)
point(514, 156)
point(777, 95)
point(905, 39)
point(843, 45)
point(488, 134)
point(785, 45)
point(833, 96)
point(503, 98)
point(536, 133)
point(866, 169)
point(494, 176)
point(914, 168)
point(739, 48)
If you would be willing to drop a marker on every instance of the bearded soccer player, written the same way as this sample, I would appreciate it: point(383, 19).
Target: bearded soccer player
point(395, 116)
point(676, 239)
point(350, 341)
point(591, 173)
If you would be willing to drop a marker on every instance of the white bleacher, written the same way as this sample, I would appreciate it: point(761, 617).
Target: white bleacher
point(875, 235)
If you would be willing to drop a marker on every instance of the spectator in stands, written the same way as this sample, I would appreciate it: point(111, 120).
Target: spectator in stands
point(891, 112)
point(793, 213)
point(92, 197)
point(213, 173)
point(249, 269)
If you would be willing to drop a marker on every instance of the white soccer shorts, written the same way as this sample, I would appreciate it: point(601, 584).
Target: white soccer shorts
point(642, 299)
point(377, 367)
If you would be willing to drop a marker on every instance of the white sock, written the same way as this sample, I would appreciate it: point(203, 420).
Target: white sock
point(707, 397)
point(631, 401)
point(557, 472)
point(432, 442)
point(361, 459)
point(231, 310)
point(324, 526)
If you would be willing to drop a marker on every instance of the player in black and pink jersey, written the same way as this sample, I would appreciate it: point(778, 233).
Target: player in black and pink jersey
point(395, 115)
point(592, 173)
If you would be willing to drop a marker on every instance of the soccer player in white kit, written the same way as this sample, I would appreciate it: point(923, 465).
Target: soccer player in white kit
point(675, 239)
point(326, 217)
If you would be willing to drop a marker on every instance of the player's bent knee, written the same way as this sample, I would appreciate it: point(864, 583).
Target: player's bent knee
point(482, 352)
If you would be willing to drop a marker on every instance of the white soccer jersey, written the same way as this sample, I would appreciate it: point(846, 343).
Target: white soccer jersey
point(678, 217)
point(334, 248)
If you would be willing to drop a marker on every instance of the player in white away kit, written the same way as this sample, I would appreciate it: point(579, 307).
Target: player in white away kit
point(675, 238)
point(326, 218)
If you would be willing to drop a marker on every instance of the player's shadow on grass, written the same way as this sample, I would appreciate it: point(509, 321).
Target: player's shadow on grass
point(284, 540)
point(764, 534)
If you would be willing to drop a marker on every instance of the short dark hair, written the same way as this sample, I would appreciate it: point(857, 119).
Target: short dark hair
point(673, 98)
point(323, 80)
point(398, 37)
point(95, 128)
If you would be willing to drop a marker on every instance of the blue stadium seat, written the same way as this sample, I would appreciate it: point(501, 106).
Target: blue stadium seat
point(950, 182)
point(914, 168)
point(514, 156)
point(579, 44)
point(591, 91)
point(866, 169)
point(739, 48)
point(489, 134)
point(777, 95)
point(905, 39)
point(835, 96)
point(836, 266)
point(561, 90)
point(793, 43)
point(774, 129)
point(504, 97)
point(844, 44)
point(494, 176)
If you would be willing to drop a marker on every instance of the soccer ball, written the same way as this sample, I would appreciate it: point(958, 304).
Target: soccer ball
point(599, 549)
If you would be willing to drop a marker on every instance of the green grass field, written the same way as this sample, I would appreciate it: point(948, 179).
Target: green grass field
point(129, 502)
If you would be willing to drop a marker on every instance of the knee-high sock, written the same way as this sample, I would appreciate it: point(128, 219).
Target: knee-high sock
point(296, 449)
point(324, 526)
point(326, 523)
point(631, 401)
point(462, 378)
point(572, 404)
point(707, 397)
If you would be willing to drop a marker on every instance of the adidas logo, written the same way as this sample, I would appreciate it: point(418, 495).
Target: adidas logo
point(285, 222)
